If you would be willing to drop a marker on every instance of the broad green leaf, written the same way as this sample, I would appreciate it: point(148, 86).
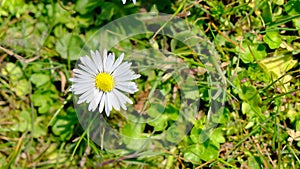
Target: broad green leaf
point(108, 11)
point(192, 153)
point(279, 2)
point(267, 12)
point(208, 151)
point(246, 109)
point(39, 129)
point(217, 136)
point(69, 46)
point(251, 108)
point(272, 39)
point(87, 6)
point(277, 66)
point(198, 135)
point(39, 79)
point(248, 93)
point(160, 123)
point(292, 8)
point(292, 115)
point(43, 101)
point(132, 136)
point(254, 162)
point(132, 130)
point(25, 121)
point(13, 71)
point(155, 110)
point(22, 87)
point(189, 89)
point(63, 127)
point(258, 50)
point(175, 133)
point(171, 112)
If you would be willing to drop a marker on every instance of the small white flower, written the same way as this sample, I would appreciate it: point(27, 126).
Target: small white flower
point(124, 1)
point(100, 81)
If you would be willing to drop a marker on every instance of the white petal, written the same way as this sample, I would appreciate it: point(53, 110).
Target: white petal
point(104, 59)
point(91, 96)
point(114, 101)
point(107, 105)
point(134, 1)
point(89, 63)
point(125, 78)
point(95, 102)
point(124, 1)
point(82, 72)
point(97, 60)
point(100, 61)
point(102, 101)
point(80, 80)
point(126, 73)
point(83, 85)
point(81, 89)
point(122, 98)
point(83, 97)
point(124, 67)
point(129, 87)
point(110, 62)
point(118, 62)
point(87, 69)
point(91, 105)
point(80, 76)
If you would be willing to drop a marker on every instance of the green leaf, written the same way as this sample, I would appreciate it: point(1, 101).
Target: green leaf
point(248, 92)
point(108, 11)
point(198, 135)
point(191, 153)
point(23, 87)
point(253, 162)
point(277, 66)
point(132, 130)
point(190, 89)
point(258, 50)
point(175, 133)
point(155, 110)
point(267, 12)
point(132, 135)
point(206, 151)
point(246, 109)
point(159, 124)
point(39, 79)
point(87, 6)
point(63, 127)
point(272, 39)
point(217, 136)
point(171, 112)
point(69, 46)
point(43, 101)
point(279, 2)
point(24, 123)
point(292, 8)
point(13, 71)
point(39, 129)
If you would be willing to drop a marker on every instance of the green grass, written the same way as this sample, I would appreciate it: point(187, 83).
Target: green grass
point(253, 68)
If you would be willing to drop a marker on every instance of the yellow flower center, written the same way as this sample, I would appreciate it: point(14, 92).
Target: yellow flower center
point(104, 82)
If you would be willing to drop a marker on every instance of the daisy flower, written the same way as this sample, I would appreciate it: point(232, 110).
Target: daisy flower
point(124, 1)
point(101, 82)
